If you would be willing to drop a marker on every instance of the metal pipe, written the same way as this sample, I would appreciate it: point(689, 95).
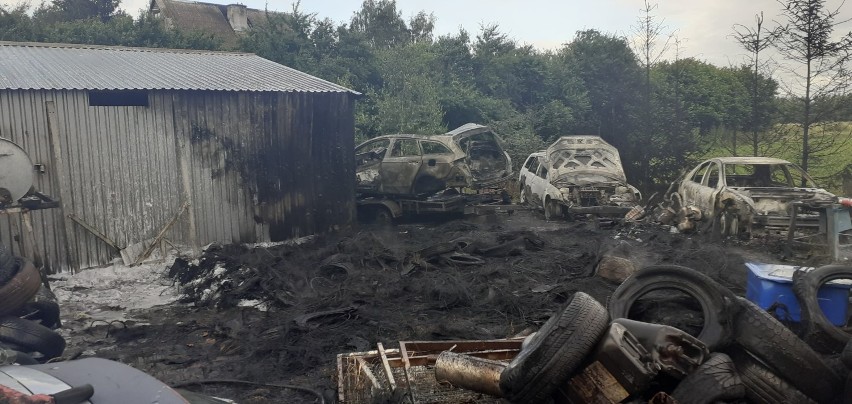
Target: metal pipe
point(469, 372)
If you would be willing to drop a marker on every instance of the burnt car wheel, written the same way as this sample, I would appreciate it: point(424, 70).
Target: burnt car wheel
point(727, 224)
point(552, 210)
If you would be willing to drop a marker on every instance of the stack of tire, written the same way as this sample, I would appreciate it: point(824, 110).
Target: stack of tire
point(29, 312)
point(753, 356)
point(773, 363)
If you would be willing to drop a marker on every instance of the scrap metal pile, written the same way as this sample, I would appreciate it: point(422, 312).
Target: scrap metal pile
point(589, 353)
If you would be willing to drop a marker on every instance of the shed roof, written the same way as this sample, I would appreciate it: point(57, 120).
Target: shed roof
point(41, 66)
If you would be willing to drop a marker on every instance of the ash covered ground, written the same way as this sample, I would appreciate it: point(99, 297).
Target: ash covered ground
point(282, 313)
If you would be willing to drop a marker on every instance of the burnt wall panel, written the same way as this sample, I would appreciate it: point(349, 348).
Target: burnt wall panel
point(255, 167)
point(257, 161)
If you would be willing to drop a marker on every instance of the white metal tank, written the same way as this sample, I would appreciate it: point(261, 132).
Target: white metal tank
point(16, 172)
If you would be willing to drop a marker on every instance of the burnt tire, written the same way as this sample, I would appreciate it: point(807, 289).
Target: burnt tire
point(715, 301)
point(43, 307)
point(715, 380)
point(846, 355)
point(552, 210)
point(820, 333)
point(784, 353)
point(555, 352)
point(30, 336)
point(21, 288)
point(7, 264)
point(762, 386)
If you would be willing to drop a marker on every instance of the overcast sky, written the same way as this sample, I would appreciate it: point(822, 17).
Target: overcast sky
point(704, 27)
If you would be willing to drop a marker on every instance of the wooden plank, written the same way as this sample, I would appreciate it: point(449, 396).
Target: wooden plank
point(386, 366)
point(406, 368)
point(64, 193)
point(94, 231)
point(161, 234)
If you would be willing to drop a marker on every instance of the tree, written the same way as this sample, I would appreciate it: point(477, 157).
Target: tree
point(73, 10)
point(382, 24)
point(762, 90)
point(646, 34)
point(820, 65)
point(610, 79)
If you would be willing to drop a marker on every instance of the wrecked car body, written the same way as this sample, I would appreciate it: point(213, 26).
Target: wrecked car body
point(577, 174)
point(742, 194)
point(470, 156)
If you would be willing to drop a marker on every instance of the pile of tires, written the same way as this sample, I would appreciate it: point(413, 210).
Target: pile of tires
point(772, 362)
point(29, 312)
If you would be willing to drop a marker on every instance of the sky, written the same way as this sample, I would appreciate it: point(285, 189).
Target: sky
point(703, 27)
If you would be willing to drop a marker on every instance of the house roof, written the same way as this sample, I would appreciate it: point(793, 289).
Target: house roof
point(200, 17)
point(41, 66)
point(208, 18)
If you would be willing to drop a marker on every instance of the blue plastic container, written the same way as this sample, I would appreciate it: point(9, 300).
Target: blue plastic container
point(771, 284)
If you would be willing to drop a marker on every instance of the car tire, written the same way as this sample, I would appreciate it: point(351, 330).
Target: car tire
point(556, 351)
point(31, 336)
point(716, 380)
point(726, 224)
point(552, 209)
point(820, 334)
point(7, 265)
point(21, 288)
point(762, 386)
point(846, 355)
point(716, 301)
point(43, 307)
point(781, 350)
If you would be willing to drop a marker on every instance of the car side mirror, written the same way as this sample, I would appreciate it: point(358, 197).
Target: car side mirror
point(432, 162)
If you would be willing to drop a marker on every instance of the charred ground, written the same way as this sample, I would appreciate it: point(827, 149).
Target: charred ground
point(345, 292)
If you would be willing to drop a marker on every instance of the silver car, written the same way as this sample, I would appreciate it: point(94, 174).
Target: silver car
point(742, 193)
point(577, 174)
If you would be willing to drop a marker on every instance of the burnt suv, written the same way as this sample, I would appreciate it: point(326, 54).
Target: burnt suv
point(470, 156)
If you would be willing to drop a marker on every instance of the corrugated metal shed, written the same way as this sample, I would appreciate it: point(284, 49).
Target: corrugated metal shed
point(268, 157)
point(39, 66)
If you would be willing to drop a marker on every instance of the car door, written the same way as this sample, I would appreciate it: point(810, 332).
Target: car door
point(711, 186)
point(538, 185)
point(436, 167)
point(690, 188)
point(400, 166)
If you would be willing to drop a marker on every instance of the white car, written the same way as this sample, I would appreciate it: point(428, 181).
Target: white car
point(577, 174)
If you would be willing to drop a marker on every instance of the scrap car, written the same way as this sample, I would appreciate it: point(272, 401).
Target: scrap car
point(470, 156)
point(577, 174)
point(743, 194)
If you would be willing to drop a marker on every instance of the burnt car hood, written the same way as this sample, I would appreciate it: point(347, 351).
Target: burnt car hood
point(585, 155)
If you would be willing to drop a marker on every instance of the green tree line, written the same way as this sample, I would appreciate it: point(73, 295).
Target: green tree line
point(662, 115)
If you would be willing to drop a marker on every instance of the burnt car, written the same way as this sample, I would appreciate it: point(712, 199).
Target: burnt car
point(577, 174)
point(470, 156)
point(742, 194)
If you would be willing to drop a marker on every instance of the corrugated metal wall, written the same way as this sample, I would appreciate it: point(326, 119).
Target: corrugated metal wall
point(254, 166)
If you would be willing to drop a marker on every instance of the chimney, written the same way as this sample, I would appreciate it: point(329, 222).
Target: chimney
point(237, 17)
